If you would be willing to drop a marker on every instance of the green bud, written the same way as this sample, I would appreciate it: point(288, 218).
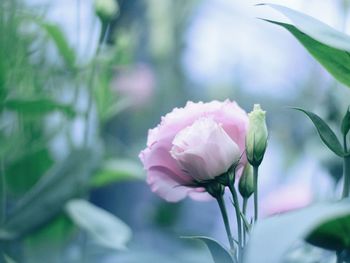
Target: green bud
point(106, 10)
point(246, 182)
point(345, 125)
point(256, 140)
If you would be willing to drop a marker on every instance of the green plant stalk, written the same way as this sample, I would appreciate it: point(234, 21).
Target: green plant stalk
point(104, 33)
point(2, 192)
point(255, 174)
point(346, 168)
point(223, 211)
point(239, 220)
point(244, 211)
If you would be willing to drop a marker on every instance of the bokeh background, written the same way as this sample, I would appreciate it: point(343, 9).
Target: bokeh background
point(61, 91)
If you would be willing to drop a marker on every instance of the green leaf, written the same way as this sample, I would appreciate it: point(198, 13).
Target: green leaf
point(279, 233)
point(315, 28)
point(57, 36)
point(25, 171)
point(345, 124)
point(37, 107)
point(326, 134)
point(332, 235)
point(117, 170)
point(66, 180)
point(106, 229)
point(328, 46)
point(7, 259)
point(219, 253)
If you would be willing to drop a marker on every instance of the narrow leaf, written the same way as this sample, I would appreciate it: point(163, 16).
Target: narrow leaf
point(345, 124)
point(117, 170)
point(329, 47)
point(57, 36)
point(325, 132)
point(291, 227)
point(66, 180)
point(38, 106)
point(219, 253)
point(105, 228)
point(315, 28)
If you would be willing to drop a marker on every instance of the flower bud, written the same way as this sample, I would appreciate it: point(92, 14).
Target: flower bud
point(256, 140)
point(246, 182)
point(106, 10)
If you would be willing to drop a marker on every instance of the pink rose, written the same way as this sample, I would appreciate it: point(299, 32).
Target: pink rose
point(178, 154)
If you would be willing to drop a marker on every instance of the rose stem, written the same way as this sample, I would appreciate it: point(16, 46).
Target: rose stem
point(255, 173)
point(346, 168)
point(238, 218)
point(245, 202)
point(225, 219)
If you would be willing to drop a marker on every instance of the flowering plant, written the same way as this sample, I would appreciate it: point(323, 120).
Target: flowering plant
point(204, 148)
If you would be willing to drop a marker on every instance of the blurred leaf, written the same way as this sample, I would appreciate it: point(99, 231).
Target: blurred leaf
point(325, 133)
point(117, 170)
point(8, 259)
point(345, 124)
point(46, 199)
point(49, 241)
point(24, 172)
point(218, 252)
point(279, 233)
point(57, 36)
point(37, 107)
point(106, 229)
point(328, 46)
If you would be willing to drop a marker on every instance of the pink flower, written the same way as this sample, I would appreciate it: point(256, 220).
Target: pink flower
point(204, 150)
point(192, 144)
point(135, 84)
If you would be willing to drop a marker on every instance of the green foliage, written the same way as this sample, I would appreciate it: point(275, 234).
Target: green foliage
point(325, 132)
point(37, 107)
point(60, 41)
point(116, 170)
point(219, 253)
point(328, 46)
point(106, 229)
point(46, 199)
point(345, 124)
point(313, 224)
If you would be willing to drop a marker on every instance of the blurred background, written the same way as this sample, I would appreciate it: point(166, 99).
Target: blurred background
point(81, 85)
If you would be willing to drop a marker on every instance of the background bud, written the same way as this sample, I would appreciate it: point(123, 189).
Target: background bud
point(106, 10)
point(246, 182)
point(256, 140)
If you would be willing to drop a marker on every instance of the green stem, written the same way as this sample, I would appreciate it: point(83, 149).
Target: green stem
point(346, 168)
point(226, 222)
point(103, 36)
point(3, 200)
point(244, 211)
point(255, 174)
point(238, 218)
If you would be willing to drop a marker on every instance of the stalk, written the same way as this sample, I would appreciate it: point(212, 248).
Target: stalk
point(255, 174)
point(239, 220)
point(346, 169)
point(223, 211)
point(245, 203)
